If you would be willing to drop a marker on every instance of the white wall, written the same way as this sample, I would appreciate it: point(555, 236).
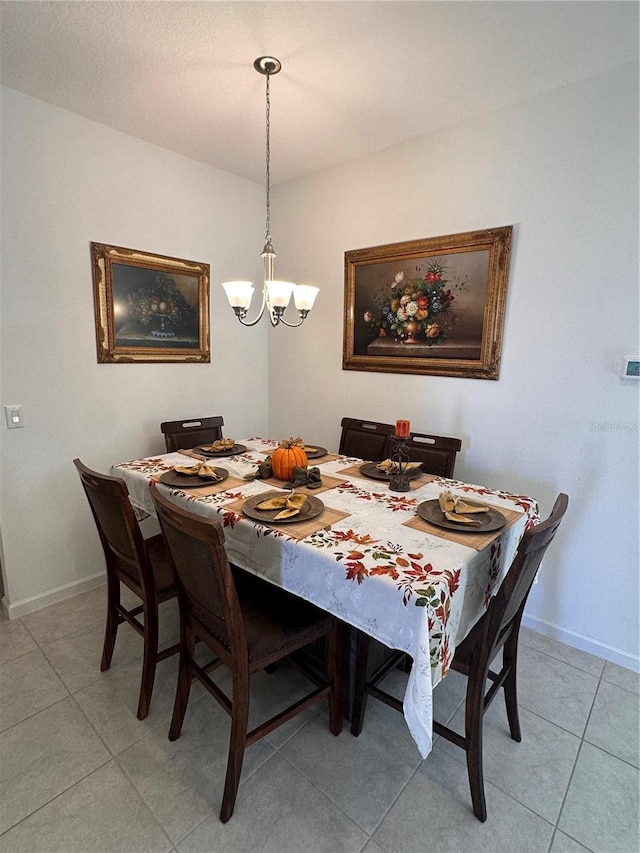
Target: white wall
point(563, 169)
point(66, 182)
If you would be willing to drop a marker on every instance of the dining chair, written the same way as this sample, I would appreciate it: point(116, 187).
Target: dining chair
point(497, 629)
point(249, 624)
point(190, 433)
point(142, 565)
point(437, 453)
point(365, 439)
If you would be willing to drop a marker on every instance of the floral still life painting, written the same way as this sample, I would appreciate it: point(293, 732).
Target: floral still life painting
point(433, 306)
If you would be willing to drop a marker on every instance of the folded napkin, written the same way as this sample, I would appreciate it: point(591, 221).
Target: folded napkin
point(221, 444)
point(289, 505)
point(203, 470)
point(457, 509)
point(390, 466)
point(309, 477)
point(263, 472)
point(299, 442)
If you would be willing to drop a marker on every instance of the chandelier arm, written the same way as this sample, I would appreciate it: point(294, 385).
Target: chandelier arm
point(293, 325)
point(260, 312)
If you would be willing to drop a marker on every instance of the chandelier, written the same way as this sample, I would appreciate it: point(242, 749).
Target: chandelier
point(276, 294)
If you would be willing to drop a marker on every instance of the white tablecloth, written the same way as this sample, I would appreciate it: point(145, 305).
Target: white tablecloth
point(411, 590)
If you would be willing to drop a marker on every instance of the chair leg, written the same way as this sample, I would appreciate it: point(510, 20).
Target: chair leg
point(183, 687)
point(238, 740)
point(150, 656)
point(360, 692)
point(510, 688)
point(113, 620)
point(474, 713)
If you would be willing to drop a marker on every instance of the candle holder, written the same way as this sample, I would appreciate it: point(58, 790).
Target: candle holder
point(399, 481)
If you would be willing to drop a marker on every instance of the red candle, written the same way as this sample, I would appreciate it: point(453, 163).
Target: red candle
point(402, 429)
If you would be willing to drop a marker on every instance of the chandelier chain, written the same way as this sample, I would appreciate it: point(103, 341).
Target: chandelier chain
point(268, 158)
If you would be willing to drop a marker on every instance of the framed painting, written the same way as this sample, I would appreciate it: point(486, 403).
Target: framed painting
point(149, 307)
point(433, 306)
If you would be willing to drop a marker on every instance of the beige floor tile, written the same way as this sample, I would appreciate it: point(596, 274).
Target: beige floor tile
point(101, 814)
point(68, 616)
point(15, 640)
point(622, 677)
point(601, 808)
point(362, 775)
point(434, 812)
point(76, 657)
point(614, 724)
point(111, 703)
point(182, 781)
point(555, 690)
point(278, 811)
point(27, 685)
point(43, 756)
point(535, 771)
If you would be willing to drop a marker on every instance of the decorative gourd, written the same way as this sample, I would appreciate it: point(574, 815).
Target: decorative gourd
point(287, 457)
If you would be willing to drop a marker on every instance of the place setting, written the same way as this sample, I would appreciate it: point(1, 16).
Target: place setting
point(294, 512)
point(461, 520)
point(202, 479)
point(221, 448)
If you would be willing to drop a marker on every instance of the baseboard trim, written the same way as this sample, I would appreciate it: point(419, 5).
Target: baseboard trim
point(60, 593)
point(579, 641)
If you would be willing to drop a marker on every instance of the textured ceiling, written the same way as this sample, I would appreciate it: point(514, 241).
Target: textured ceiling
point(357, 76)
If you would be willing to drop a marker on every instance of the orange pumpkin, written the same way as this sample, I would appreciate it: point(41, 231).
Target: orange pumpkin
point(287, 457)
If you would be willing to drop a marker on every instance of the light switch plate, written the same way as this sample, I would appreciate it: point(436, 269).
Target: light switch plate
point(631, 368)
point(13, 414)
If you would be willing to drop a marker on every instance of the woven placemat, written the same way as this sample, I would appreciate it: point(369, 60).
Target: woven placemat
point(298, 530)
point(227, 485)
point(477, 541)
point(327, 483)
point(422, 480)
point(194, 455)
point(202, 491)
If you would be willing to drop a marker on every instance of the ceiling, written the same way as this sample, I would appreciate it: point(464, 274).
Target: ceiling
point(357, 76)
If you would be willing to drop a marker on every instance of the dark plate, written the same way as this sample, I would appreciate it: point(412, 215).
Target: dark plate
point(186, 481)
point(311, 509)
point(370, 469)
point(491, 520)
point(232, 451)
point(317, 452)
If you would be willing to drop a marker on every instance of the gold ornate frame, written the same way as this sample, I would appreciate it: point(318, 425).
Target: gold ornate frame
point(465, 339)
point(149, 307)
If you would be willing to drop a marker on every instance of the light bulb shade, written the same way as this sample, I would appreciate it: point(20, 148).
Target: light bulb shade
point(304, 295)
point(239, 293)
point(279, 293)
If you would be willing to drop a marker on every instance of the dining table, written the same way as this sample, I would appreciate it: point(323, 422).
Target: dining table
point(382, 561)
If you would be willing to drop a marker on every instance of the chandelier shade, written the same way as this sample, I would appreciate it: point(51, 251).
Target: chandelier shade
point(276, 294)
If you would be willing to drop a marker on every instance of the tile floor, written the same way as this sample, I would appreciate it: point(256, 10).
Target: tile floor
point(79, 772)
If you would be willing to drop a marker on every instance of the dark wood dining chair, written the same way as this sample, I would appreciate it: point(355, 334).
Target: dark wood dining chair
point(437, 453)
point(365, 439)
point(497, 629)
point(249, 624)
point(179, 435)
point(143, 565)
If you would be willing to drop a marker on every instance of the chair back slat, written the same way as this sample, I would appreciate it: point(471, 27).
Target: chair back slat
point(206, 589)
point(364, 439)
point(436, 453)
point(192, 432)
